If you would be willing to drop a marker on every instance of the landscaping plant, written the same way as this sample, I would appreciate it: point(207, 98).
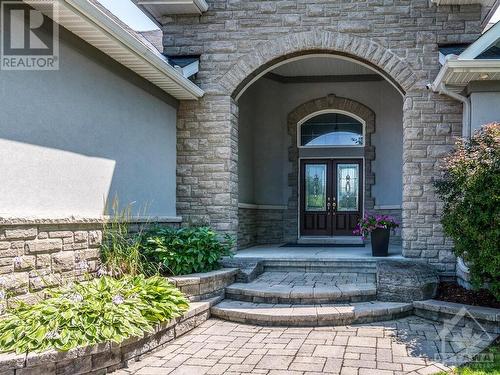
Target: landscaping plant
point(470, 190)
point(104, 309)
point(369, 223)
point(185, 250)
point(121, 248)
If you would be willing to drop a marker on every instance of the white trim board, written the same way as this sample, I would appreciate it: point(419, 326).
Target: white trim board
point(262, 206)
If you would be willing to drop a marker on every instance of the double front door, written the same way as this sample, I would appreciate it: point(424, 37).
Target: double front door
point(331, 196)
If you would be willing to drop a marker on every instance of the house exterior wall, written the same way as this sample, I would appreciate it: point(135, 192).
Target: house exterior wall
point(238, 40)
point(74, 138)
point(69, 140)
point(484, 108)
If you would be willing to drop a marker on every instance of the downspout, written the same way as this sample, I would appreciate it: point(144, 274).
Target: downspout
point(466, 129)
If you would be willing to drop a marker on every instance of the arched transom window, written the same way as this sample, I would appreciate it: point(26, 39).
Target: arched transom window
point(331, 129)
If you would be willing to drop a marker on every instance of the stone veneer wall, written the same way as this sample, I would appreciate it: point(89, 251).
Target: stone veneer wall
point(38, 254)
point(259, 226)
point(238, 40)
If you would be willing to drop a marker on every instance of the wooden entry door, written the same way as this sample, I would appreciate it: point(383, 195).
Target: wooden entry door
point(331, 192)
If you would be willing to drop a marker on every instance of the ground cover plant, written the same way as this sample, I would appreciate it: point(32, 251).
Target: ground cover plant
point(486, 363)
point(186, 250)
point(470, 190)
point(87, 313)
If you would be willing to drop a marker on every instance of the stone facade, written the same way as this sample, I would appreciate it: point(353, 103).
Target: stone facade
point(35, 255)
point(239, 40)
point(258, 226)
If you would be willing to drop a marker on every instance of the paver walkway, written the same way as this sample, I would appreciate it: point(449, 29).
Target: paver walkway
point(405, 346)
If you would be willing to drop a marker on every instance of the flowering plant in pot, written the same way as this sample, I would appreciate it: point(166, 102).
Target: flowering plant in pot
point(379, 227)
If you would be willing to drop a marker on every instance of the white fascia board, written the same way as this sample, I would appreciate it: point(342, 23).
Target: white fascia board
point(453, 66)
point(108, 36)
point(482, 43)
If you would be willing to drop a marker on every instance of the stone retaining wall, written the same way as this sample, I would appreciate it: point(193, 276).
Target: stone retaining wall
point(106, 357)
point(478, 318)
point(200, 286)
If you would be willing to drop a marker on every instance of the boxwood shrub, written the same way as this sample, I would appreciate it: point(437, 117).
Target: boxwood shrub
point(87, 313)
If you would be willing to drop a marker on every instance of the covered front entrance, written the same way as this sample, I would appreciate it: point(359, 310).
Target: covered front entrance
point(319, 144)
point(331, 199)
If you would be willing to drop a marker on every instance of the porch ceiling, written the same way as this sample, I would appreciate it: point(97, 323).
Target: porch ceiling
point(321, 66)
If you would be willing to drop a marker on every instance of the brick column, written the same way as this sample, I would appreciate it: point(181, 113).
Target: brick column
point(207, 162)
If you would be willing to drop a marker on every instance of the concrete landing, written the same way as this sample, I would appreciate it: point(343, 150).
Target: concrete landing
point(316, 253)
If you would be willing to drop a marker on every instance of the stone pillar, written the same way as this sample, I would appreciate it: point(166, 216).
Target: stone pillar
point(207, 162)
point(431, 124)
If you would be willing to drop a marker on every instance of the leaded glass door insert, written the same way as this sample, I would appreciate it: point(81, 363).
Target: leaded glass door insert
point(316, 187)
point(347, 187)
point(331, 199)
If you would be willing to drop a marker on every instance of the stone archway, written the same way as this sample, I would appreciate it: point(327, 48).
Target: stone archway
point(272, 52)
point(330, 102)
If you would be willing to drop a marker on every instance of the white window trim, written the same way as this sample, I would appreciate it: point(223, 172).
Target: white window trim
point(322, 112)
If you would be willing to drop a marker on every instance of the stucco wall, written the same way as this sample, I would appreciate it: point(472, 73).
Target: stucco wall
point(273, 101)
point(485, 108)
point(70, 139)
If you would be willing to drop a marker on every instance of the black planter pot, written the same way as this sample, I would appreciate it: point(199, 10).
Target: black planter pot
point(380, 242)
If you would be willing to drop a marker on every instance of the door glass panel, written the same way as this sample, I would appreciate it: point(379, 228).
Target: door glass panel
point(315, 187)
point(347, 187)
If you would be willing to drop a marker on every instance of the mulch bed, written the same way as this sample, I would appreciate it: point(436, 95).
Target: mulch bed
point(452, 292)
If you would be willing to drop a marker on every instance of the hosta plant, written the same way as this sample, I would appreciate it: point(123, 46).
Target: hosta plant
point(185, 250)
point(104, 309)
point(470, 190)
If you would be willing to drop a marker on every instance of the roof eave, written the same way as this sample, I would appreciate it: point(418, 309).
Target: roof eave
point(131, 52)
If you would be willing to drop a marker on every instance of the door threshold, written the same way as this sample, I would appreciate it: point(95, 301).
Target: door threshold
point(327, 240)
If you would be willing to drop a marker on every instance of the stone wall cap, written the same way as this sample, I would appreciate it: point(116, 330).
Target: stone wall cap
point(480, 312)
point(197, 278)
point(36, 220)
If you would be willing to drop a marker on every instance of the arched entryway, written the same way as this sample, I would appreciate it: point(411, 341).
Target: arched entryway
point(208, 149)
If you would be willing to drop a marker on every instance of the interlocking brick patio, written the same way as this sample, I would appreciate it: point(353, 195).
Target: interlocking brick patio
point(405, 346)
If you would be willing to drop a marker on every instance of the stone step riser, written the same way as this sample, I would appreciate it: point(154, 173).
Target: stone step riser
point(312, 320)
point(341, 270)
point(300, 300)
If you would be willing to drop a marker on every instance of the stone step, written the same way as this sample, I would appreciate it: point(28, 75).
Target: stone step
point(368, 266)
point(309, 315)
point(260, 292)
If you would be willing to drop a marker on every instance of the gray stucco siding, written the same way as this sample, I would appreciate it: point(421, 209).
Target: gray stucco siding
point(73, 138)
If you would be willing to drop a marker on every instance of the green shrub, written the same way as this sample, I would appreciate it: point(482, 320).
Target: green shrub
point(104, 309)
point(470, 190)
point(184, 251)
